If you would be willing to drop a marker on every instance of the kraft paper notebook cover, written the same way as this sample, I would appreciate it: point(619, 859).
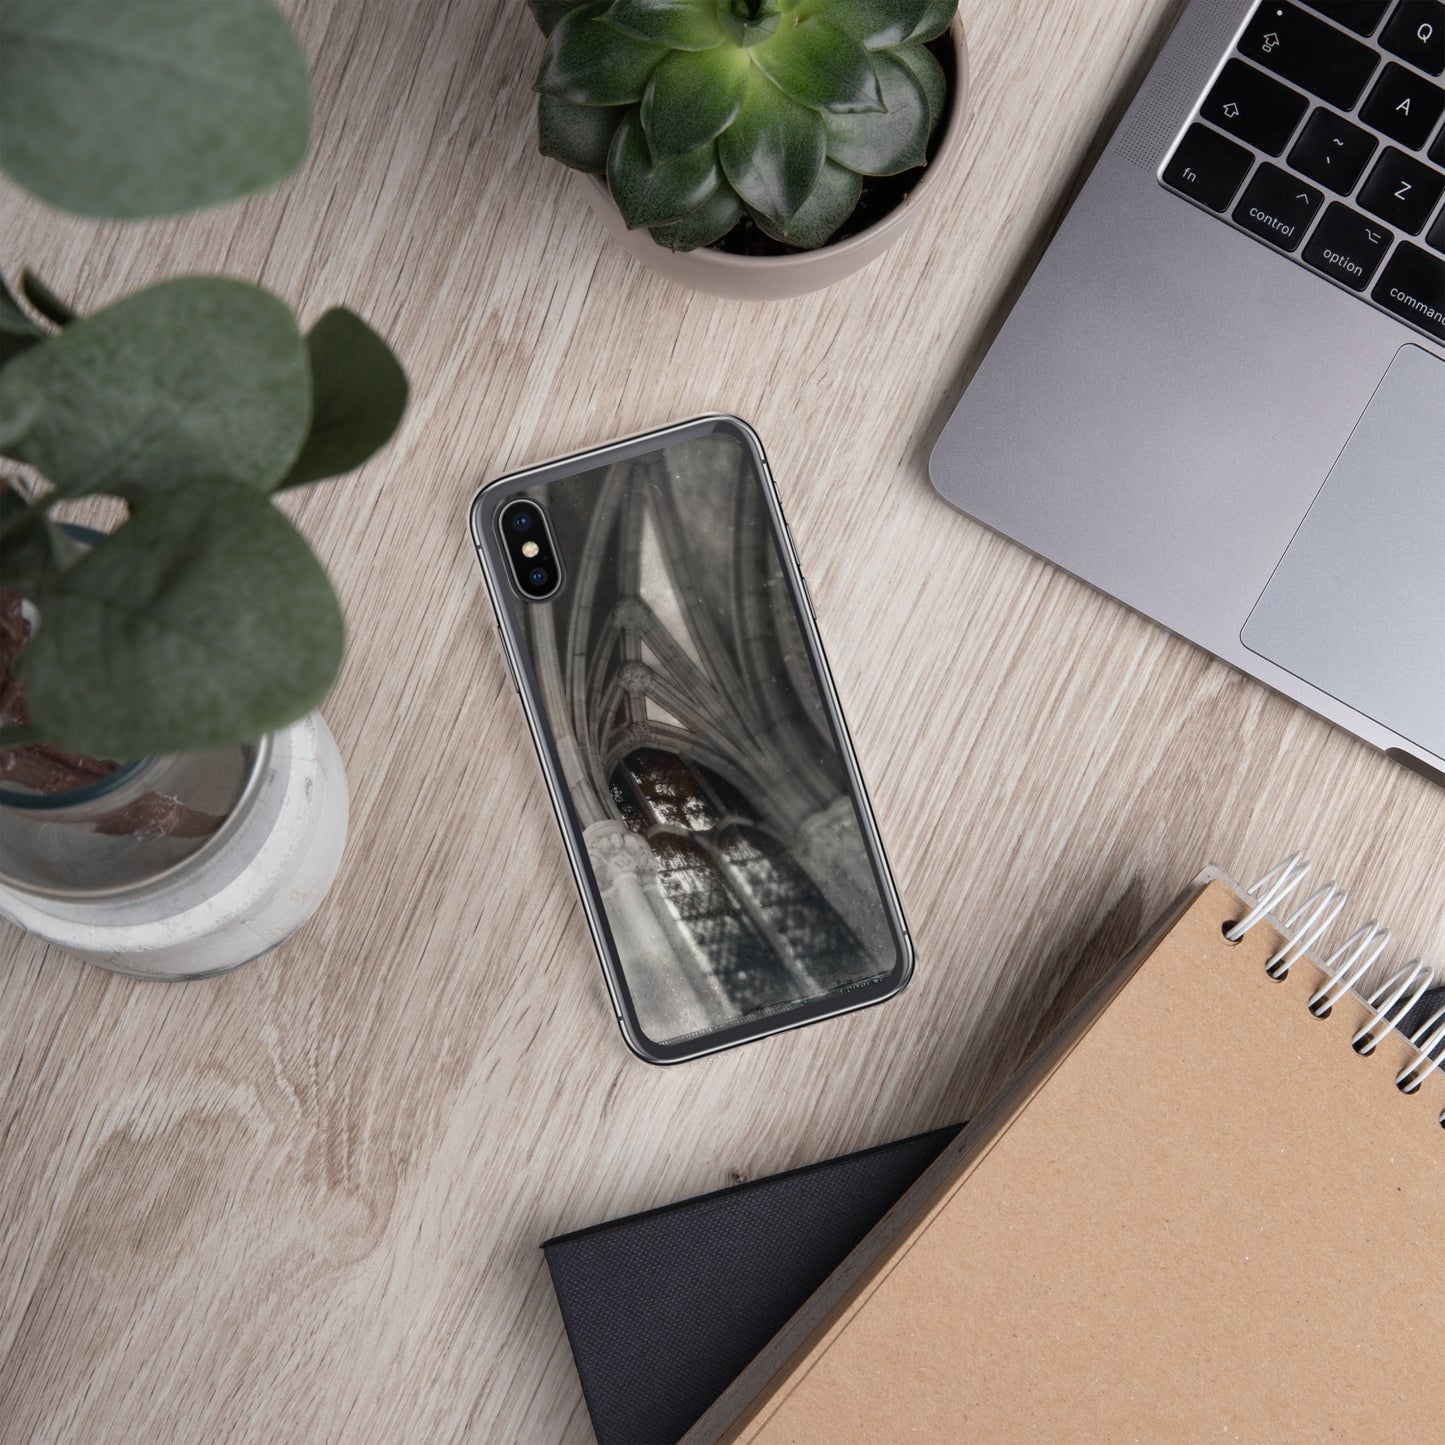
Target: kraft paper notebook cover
point(1198, 1214)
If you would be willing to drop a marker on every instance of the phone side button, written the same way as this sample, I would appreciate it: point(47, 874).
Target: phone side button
point(808, 593)
point(507, 659)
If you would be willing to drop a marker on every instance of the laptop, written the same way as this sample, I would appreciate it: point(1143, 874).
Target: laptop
point(1221, 395)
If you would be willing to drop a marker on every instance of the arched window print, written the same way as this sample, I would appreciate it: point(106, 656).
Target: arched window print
point(766, 933)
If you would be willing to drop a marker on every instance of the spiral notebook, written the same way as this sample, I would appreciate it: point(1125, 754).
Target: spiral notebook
point(1210, 1208)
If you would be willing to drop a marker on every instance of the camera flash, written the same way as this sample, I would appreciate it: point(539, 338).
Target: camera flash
point(530, 549)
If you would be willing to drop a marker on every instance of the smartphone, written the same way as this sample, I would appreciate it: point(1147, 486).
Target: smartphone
point(658, 630)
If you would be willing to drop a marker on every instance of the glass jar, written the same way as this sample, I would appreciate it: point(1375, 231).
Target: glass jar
point(125, 831)
point(179, 867)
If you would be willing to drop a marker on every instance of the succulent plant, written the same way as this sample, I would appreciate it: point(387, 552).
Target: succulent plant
point(702, 111)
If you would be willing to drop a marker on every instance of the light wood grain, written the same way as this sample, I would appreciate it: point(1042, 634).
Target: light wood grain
point(303, 1202)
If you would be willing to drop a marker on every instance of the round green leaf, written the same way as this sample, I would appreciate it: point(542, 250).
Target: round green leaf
point(714, 218)
point(358, 394)
point(131, 108)
point(874, 23)
point(936, 18)
point(692, 98)
point(819, 65)
point(20, 404)
point(203, 621)
point(929, 74)
point(772, 153)
point(830, 204)
point(198, 376)
point(590, 62)
point(652, 193)
point(577, 135)
point(883, 145)
point(678, 24)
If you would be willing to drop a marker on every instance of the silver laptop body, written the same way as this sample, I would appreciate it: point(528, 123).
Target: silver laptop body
point(1245, 450)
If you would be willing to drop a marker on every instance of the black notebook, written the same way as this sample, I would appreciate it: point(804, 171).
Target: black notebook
point(664, 1308)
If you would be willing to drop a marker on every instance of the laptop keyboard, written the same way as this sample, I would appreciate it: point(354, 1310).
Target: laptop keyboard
point(1323, 136)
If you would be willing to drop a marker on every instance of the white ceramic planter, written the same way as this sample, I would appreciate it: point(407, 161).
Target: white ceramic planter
point(257, 880)
point(773, 278)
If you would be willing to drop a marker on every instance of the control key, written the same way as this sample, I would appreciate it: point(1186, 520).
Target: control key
point(1278, 206)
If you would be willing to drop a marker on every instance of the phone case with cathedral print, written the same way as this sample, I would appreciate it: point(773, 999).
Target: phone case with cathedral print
point(691, 740)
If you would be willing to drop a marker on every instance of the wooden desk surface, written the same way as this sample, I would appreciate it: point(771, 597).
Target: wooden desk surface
point(303, 1202)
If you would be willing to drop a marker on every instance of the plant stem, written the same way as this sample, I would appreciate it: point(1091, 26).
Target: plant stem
point(23, 518)
point(26, 584)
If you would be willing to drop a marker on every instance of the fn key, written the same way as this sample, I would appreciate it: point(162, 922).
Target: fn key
point(1207, 168)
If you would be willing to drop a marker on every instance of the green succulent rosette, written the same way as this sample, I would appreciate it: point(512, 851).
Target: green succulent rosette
point(699, 111)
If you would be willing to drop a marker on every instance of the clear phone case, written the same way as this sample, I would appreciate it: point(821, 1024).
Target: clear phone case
point(692, 741)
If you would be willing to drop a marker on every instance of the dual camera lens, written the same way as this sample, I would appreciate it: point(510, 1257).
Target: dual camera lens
point(528, 541)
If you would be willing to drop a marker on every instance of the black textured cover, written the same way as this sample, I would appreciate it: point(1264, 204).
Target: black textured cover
point(1422, 1011)
point(664, 1308)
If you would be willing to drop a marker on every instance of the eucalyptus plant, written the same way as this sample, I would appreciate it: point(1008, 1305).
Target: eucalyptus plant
point(203, 619)
point(701, 111)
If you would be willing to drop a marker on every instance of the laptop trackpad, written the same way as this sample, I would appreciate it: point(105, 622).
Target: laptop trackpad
point(1357, 604)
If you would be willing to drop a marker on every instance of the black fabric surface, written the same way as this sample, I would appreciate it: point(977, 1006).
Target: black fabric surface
point(1423, 1010)
point(664, 1309)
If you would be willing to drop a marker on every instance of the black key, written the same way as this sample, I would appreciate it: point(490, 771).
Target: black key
point(1413, 287)
point(1401, 191)
point(1361, 16)
point(1207, 167)
point(1347, 246)
point(1332, 151)
point(1278, 206)
point(1437, 148)
point(1247, 103)
point(1435, 236)
point(1416, 33)
point(1403, 105)
point(1309, 52)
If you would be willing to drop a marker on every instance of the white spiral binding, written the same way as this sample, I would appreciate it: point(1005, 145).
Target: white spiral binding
point(1346, 966)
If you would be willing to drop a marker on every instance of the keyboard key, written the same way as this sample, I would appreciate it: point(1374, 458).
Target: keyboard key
point(1437, 148)
point(1309, 52)
point(1403, 105)
point(1361, 16)
point(1401, 191)
point(1247, 103)
point(1332, 151)
point(1435, 236)
point(1416, 33)
point(1207, 167)
point(1413, 287)
point(1278, 206)
point(1347, 246)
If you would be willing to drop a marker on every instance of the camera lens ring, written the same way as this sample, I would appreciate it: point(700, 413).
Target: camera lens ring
point(525, 533)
